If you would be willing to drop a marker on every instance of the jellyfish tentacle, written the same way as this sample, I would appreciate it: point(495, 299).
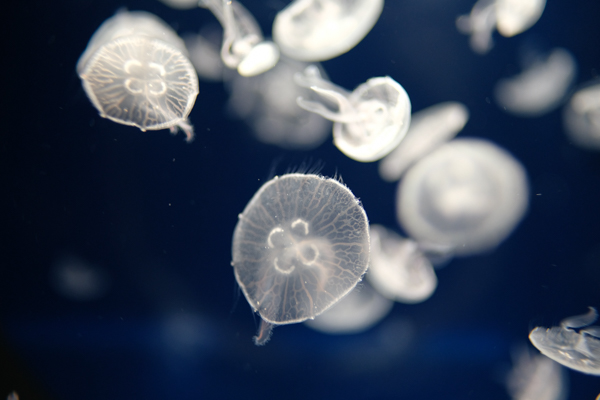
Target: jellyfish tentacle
point(579, 321)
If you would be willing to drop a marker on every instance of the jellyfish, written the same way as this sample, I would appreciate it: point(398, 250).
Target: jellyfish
point(369, 123)
point(516, 16)
point(135, 71)
point(301, 244)
point(468, 195)
point(205, 53)
point(581, 116)
point(398, 270)
point(429, 129)
point(244, 47)
point(318, 30)
point(574, 344)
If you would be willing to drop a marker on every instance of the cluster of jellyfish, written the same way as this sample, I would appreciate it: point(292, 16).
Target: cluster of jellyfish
point(303, 243)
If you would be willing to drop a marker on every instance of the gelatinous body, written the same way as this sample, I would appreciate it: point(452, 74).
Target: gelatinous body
point(581, 116)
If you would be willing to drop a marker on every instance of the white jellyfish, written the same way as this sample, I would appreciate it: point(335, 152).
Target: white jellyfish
point(516, 16)
point(574, 344)
point(540, 88)
point(205, 53)
point(317, 30)
point(468, 195)
point(429, 128)
point(369, 122)
point(244, 47)
point(135, 71)
point(398, 270)
point(581, 116)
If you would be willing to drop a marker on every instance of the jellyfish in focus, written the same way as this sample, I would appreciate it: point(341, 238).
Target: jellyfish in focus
point(581, 117)
point(301, 244)
point(540, 88)
point(429, 128)
point(244, 47)
point(369, 122)
point(267, 103)
point(318, 30)
point(135, 71)
point(574, 344)
point(468, 195)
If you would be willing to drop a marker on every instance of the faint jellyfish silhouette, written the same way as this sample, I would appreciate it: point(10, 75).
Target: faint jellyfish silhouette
point(516, 16)
point(540, 88)
point(267, 103)
point(398, 270)
point(480, 24)
point(581, 116)
point(135, 72)
point(78, 280)
point(467, 195)
point(429, 128)
point(301, 244)
point(181, 4)
point(369, 123)
point(205, 52)
point(578, 350)
point(244, 47)
point(317, 30)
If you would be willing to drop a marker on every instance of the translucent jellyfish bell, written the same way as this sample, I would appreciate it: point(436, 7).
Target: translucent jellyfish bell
point(581, 116)
point(317, 30)
point(467, 195)
point(516, 16)
point(301, 244)
point(578, 350)
point(135, 71)
point(369, 122)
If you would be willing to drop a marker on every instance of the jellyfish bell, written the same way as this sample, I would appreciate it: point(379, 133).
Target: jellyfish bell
point(318, 30)
point(581, 116)
point(516, 16)
point(135, 71)
point(301, 244)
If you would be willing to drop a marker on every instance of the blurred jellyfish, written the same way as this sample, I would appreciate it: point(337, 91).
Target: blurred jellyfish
point(468, 195)
point(398, 270)
point(135, 71)
point(534, 376)
point(358, 311)
point(317, 30)
point(204, 49)
point(428, 129)
point(581, 117)
point(540, 88)
point(480, 24)
point(181, 4)
point(578, 350)
point(516, 16)
point(369, 122)
point(78, 280)
point(301, 244)
point(244, 47)
point(13, 396)
point(267, 103)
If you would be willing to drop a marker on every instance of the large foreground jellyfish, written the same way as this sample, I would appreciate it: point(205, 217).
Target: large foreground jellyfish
point(135, 71)
point(467, 196)
point(578, 350)
point(301, 244)
point(369, 122)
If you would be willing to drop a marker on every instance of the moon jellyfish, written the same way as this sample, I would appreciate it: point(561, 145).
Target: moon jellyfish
point(205, 53)
point(301, 244)
point(516, 16)
point(467, 195)
point(540, 88)
point(369, 122)
point(581, 117)
point(135, 71)
point(428, 129)
point(244, 47)
point(398, 270)
point(574, 344)
point(318, 30)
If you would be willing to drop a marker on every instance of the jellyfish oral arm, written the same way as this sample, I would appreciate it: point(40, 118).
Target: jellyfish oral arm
point(580, 321)
point(264, 333)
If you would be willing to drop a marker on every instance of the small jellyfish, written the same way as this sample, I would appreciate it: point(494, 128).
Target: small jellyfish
point(467, 195)
point(516, 16)
point(135, 71)
point(244, 47)
point(301, 244)
point(581, 116)
point(369, 123)
point(318, 30)
point(574, 344)
point(205, 53)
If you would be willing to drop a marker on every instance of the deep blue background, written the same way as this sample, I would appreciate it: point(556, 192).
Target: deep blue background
point(157, 215)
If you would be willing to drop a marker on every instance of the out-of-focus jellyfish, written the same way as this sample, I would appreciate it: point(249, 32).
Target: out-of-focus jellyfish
point(398, 270)
point(301, 244)
point(317, 30)
point(369, 122)
point(244, 47)
point(135, 71)
point(357, 312)
point(516, 16)
point(534, 376)
point(581, 117)
point(181, 4)
point(467, 195)
point(574, 344)
point(78, 280)
point(480, 24)
point(205, 55)
point(267, 103)
point(540, 88)
point(429, 128)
